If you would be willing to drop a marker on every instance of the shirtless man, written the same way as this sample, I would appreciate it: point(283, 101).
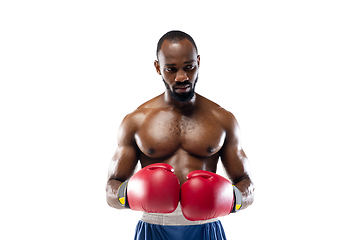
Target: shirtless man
point(182, 129)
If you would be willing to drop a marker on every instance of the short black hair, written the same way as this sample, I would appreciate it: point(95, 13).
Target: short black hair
point(174, 36)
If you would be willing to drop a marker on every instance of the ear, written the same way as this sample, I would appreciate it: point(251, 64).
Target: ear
point(157, 66)
point(198, 60)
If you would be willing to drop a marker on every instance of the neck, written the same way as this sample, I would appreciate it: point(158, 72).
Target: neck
point(169, 100)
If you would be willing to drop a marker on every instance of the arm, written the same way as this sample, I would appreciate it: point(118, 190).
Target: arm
point(124, 161)
point(236, 163)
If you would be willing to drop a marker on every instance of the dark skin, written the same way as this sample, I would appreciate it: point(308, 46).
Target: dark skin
point(189, 136)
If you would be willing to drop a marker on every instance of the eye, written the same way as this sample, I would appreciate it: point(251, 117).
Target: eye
point(189, 67)
point(171, 69)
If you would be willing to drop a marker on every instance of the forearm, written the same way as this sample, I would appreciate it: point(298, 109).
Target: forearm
point(112, 187)
point(246, 188)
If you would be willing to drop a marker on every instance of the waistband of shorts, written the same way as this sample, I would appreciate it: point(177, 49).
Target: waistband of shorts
point(175, 218)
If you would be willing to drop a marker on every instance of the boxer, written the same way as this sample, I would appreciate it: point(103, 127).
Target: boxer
point(178, 137)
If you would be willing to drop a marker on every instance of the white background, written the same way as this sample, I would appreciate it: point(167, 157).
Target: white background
point(71, 70)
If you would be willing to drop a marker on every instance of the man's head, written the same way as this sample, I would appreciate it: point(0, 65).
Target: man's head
point(178, 63)
point(174, 36)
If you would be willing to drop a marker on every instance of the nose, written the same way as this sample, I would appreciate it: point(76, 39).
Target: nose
point(181, 76)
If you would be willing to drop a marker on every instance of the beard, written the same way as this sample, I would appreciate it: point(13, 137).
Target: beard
point(182, 97)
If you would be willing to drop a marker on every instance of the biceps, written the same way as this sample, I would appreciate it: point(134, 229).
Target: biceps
point(123, 163)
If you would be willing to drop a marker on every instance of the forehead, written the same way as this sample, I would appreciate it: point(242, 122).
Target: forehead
point(179, 51)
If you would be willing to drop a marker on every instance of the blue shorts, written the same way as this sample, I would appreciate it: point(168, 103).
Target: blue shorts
point(207, 231)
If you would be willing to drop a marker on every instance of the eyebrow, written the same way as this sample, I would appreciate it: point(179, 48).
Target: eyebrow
point(189, 62)
point(173, 64)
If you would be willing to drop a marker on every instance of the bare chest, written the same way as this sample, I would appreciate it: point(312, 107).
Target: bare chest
point(162, 134)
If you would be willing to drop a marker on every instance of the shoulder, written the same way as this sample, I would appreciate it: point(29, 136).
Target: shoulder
point(223, 116)
point(155, 102)
point(229, 124)
point(133, 120)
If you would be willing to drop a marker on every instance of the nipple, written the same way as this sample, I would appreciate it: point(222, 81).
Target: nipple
point(151, 151)
point(210, 150)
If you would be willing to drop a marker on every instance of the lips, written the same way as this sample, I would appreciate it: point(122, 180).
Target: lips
point(182, 88)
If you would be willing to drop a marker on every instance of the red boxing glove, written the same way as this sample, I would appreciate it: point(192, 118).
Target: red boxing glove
point(206, 195)
point(154, 189)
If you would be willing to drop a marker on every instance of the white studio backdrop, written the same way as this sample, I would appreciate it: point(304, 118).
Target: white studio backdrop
point(71, 70)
